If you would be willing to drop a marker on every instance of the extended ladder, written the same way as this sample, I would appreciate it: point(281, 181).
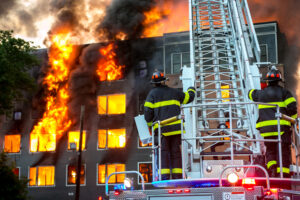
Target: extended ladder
point(224, 48)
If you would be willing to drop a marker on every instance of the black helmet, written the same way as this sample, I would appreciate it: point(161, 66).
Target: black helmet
point(273, 74)
point(157, 77)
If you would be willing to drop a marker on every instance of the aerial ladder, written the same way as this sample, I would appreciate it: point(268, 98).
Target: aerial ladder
point(220, 137)
point(224, 52)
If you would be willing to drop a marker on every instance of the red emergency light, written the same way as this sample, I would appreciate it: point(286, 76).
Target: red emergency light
point(117, 192)
point(248, 183)
point(178, 191)
point(170, 191)
point(187, 191)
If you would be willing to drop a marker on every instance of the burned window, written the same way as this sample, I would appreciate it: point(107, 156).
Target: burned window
point(12, 143)
point(41, 176)
point(111, 138)
point(106, 169)
point(112, 104)
point(42, 142)
point(72, 171)
point(146, 170)
point(73, 137)
point(144, 145)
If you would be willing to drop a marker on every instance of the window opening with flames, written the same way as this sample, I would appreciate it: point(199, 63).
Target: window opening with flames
point(106, 169)
point(111, 138)
point(41, 176)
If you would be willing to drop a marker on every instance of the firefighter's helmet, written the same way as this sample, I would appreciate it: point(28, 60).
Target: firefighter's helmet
point(157, 77)
point(273, 74)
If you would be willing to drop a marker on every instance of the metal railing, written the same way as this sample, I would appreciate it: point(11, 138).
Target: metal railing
point(230, 134)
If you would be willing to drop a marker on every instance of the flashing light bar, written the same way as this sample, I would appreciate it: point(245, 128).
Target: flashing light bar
point(178, 191)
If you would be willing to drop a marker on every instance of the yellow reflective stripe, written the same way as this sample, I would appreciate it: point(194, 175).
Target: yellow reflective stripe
point(280, 104)
point(268, 134)
point(165, 171)
point(172, 123)
point(176, 170)
point(271, 123)
point(149, 123)
point(186, 98)
point(294, 116)
point(250, 94)
point(271, 163)
point(284, 170)
point(191, 90)
point(289, 100)
point(173, 133)
point(161, 103)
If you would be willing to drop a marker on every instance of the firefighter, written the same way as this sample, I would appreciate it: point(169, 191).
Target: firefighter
point(267, 122)
point(162, 103)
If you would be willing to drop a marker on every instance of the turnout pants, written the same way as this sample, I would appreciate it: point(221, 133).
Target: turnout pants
point(171, 157)
point(272, 155)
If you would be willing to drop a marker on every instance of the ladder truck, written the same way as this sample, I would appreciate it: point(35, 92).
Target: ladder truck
point(221, 141)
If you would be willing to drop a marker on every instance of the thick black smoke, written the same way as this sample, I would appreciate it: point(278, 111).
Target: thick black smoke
point(286, 13)
point(125, 16)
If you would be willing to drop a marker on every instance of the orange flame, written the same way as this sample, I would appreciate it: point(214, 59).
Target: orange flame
point(166, 18)
point(55, 120)
point(108, 69)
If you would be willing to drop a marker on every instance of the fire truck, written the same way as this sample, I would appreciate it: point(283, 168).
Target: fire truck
point(221, 145)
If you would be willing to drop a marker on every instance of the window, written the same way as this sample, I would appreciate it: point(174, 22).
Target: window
point(112, 104)
point(72, 171)
point(111, 138)
point(178, 61)
point(41, 176)
point(73, 137)
point(42, 142)
point(106, 170)
point(144, 145)
point(264, 53)
point(16, 171)
point(12, 143)
point(146, 170)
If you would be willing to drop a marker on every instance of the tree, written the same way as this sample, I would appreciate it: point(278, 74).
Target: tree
point(11, 187)
point(16, 59)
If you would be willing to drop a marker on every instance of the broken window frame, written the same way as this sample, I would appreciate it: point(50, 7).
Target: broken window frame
point(67, 175)
point(150, 176)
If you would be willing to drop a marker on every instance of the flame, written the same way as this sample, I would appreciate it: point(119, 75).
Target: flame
point(55, 120)
point(166, 17)
point(108, 69)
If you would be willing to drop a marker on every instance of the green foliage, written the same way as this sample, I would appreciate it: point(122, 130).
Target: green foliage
point(11, 188)
point(16, 59)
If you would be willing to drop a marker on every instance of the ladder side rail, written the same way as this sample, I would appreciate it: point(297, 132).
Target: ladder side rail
point(243, 62)
point(251, 29)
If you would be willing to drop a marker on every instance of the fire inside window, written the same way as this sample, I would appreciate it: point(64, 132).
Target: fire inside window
point(144, 145)
point(107, 169)
point(73, 137)
point(111, 138)
point(72, 170)
point(112, 104)
point(146, 170)
point(42, 142)
point(41, 176)
point(12, 143)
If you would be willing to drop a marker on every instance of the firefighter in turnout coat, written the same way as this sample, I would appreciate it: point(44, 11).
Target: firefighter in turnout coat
point(162, 103)
point(267, 122)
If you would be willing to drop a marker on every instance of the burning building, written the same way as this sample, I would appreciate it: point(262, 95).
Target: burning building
point(111, 78)
point(43, 140)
